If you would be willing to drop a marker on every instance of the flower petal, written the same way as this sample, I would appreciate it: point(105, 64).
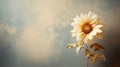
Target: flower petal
point(75, 32)
point(99, 35)
point(94, 17)
point(86, 40)
point(90, 36)
point(78, 38)
point(93, 32)
point(76, 18)
point(78, 49)
point(81, 15)
point(98, 31)
point(90, 14)
point(71, 46)
point(98, 26)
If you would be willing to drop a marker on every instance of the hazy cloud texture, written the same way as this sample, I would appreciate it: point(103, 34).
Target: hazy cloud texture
point(37, 31)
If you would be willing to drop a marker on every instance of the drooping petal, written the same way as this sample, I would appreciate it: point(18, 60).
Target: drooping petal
point(78, 49)
point(71, 46)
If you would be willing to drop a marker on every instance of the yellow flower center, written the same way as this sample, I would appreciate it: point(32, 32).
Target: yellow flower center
point(87, 28)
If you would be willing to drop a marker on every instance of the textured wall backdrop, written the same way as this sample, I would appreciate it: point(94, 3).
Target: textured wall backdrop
point(34, 33)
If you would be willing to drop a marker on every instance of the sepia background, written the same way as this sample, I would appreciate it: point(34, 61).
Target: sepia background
point(35, 33)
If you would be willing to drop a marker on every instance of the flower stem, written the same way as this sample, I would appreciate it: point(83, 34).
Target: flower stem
point(87, 58)
point(86, 46)
point(87, 62)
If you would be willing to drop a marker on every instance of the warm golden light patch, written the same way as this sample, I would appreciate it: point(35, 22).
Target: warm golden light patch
point(87, 28)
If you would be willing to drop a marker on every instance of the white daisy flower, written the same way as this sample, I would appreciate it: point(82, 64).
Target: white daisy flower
point(86, 26)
